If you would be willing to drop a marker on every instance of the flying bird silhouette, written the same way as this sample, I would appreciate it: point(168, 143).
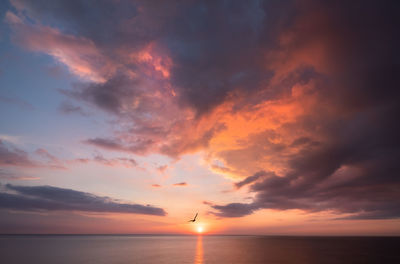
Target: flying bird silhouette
point(194, 219)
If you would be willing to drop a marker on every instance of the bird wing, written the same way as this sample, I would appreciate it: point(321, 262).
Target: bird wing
point(195, 216)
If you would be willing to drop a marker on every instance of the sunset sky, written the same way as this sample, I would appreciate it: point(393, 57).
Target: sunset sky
point(265, 117)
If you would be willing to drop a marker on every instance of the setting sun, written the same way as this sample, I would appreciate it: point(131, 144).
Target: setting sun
point(200, 229)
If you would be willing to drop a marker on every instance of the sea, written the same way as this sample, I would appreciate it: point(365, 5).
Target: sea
point(166, 249)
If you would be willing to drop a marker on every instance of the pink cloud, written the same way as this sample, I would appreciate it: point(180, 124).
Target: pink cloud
point(79, 54)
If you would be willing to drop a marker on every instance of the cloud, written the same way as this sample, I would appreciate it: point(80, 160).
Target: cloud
point(126, 162)
point(162, 168)
point(337, 152)
point(11, 176)
point(149, 38)
point(180, 184)
point(105, 143)
point(49, 198)
point(68, 108)
point(12, 139)
point(114, 144)
point(251, 179)
point(79, 54)
point(12, 156)
point(81, 160)
point(16, 101)
point(347, 175)
point(234, 209)
point(207, 203)
point(156, 185)
point(301, 96)
point(110, 96)
point(15, 157)
point(49, 159)
point(150, 67)
point(100, 159)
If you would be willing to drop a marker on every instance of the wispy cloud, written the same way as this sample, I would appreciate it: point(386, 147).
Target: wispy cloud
point(162, 168)
point(17, 101)
point(11, 176)
point(68, 108)
point(12, 156)
point(126, 162)
point(180, 184)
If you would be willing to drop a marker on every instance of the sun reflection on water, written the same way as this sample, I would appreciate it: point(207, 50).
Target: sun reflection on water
point(199, 250)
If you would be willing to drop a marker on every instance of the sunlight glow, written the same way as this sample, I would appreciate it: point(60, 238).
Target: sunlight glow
point(200, 229)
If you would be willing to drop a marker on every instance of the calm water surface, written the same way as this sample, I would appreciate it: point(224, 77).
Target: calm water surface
point(197, 249)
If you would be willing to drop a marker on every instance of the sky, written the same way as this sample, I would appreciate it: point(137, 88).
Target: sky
point(265, 117)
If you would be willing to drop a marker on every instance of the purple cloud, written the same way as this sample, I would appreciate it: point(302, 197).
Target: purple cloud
point(11, 156)
point(49, 198)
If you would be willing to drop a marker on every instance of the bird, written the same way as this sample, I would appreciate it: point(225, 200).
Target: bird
point(194, 219)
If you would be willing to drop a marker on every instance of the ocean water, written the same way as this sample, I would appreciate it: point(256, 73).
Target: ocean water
point(107, 249)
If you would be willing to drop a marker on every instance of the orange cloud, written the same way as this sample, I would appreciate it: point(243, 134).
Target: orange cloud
point(180, 184)
point(155, 61)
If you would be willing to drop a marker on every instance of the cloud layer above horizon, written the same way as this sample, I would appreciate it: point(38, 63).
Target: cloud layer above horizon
point(49, 198)
point(295, 101)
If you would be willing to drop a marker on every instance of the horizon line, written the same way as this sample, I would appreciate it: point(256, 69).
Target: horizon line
point(194, 234)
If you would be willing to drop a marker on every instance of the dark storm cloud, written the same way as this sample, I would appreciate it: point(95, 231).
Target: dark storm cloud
point(355, 169)
point(216, 46)
point(49, 198)
point(356, 173)
point(214, 54)
point(366, 56)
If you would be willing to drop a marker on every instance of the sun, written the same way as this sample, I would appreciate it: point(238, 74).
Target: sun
point(200, 229)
